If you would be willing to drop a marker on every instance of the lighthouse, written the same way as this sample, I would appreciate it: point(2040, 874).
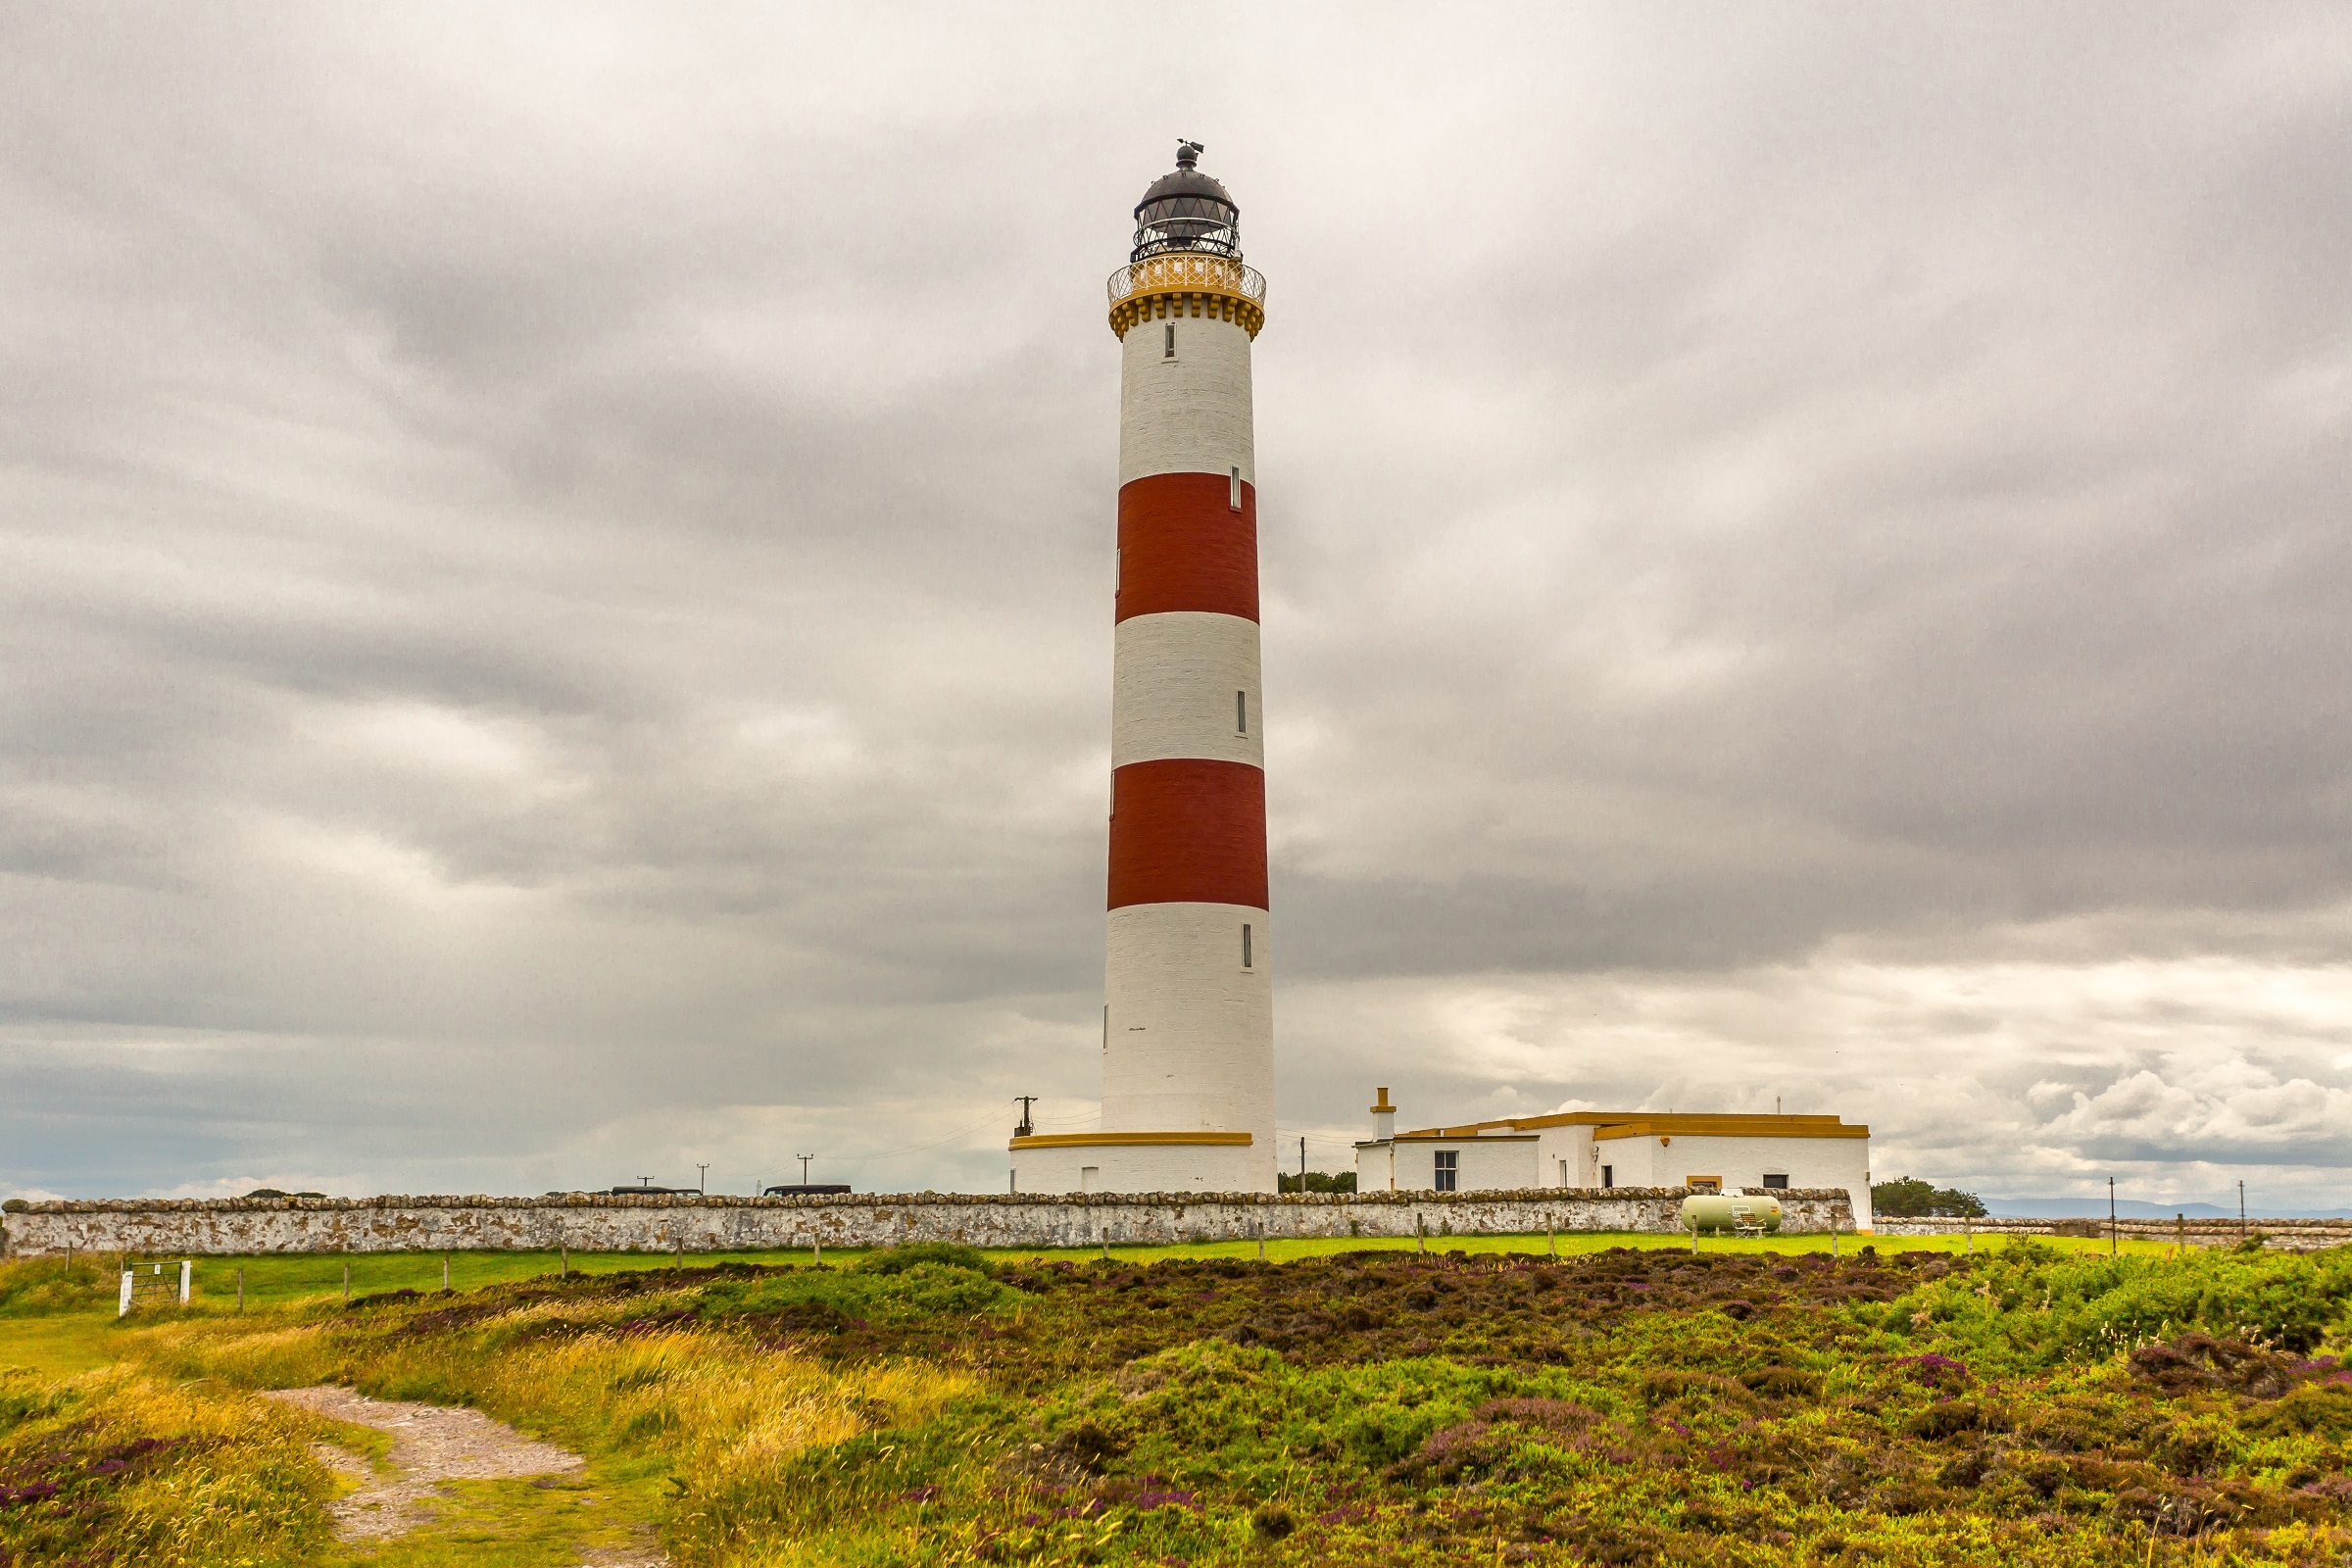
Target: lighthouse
point(1187, 1016)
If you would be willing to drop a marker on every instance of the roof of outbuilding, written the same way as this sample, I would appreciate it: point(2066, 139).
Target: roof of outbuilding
point(1641, 1123)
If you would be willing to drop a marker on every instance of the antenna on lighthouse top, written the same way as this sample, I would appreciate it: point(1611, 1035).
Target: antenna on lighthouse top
point(1188, 153)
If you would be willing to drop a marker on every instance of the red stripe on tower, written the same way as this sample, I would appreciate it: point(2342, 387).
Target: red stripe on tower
point(1182, 546)
point(1187, 830)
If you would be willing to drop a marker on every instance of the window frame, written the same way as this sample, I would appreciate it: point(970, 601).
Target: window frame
point(1446, 1170)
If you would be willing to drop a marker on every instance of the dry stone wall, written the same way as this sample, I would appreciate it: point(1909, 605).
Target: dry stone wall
point(601, 1222)
point(2284, 1235)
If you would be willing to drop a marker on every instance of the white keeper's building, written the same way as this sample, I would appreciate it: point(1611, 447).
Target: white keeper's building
point(1598, 1149)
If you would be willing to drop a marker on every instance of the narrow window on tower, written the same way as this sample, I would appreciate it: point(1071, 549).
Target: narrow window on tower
point(1119, 567)
point(1241, 711)
point(1168, 348)
point(1233, 492)
point(1244, 946)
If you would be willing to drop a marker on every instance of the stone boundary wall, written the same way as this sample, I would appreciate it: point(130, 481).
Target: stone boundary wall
point(602, 1222)
point(2285, 1235)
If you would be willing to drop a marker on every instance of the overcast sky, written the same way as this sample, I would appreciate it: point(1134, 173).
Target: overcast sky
point(554, 580)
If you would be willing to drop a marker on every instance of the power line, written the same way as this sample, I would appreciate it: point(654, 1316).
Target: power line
point(913, 1148)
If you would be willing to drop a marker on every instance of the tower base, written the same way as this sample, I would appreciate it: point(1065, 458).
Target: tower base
point(1134, 1163)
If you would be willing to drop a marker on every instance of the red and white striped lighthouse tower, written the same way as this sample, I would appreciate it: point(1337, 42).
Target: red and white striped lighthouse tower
point(1188, 1022)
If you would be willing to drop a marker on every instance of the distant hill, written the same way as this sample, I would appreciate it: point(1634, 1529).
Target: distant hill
point(2134, 1208)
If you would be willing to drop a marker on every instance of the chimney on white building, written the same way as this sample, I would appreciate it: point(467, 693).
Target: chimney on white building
point(1384, 1116)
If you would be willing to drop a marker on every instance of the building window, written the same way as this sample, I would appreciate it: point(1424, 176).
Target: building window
point(1775, 1184)
point(1168, 349)
point(1448, 1171)
point(1244, 946)
point(1608, 1175)
point(1233, 492)
point(1118, 568)
point(1241, 711)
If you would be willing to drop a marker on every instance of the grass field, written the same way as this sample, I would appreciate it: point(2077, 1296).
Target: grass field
point(1758, 1403)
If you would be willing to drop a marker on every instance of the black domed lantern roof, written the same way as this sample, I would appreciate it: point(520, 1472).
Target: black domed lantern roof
point(1186, 210)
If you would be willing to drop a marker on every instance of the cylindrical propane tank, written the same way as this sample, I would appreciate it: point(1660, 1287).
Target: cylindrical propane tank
point(1731, 1211)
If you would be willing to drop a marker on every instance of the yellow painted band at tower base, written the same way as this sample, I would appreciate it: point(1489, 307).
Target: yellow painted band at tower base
point(1137, 1140)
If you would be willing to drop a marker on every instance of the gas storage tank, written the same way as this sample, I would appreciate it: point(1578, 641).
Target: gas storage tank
point(1734, 1211)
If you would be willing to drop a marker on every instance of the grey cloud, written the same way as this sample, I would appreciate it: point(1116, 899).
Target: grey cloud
point(553, 568)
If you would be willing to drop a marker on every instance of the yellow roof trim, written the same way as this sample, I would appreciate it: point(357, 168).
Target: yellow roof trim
point(1714, 1127)
point(1615, 1124)
point(1129, 1140)
point(1452, 1136)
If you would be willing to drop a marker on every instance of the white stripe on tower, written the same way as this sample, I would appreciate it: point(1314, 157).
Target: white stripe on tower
point(1185, 683)
point(1190, 412)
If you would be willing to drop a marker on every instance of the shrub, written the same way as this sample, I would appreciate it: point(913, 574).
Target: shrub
point(36, 1287)
point(1909, 1198)
point(899, 1260)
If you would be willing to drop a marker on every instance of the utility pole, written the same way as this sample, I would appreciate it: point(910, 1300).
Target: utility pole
point(1024, 1130)
point(702, 1180)
point(2241, 1210)
point(804, 1159)
point(2113, 1245)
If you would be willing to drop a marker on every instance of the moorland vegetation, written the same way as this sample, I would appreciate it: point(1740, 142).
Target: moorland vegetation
point(931, 1404)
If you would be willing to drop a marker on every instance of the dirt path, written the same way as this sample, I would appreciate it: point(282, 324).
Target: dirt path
point(431, 1443)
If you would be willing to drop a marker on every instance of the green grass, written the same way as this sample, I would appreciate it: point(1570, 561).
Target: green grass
point(1916, 1403)
point(547, 1522)
point(59, 1346)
